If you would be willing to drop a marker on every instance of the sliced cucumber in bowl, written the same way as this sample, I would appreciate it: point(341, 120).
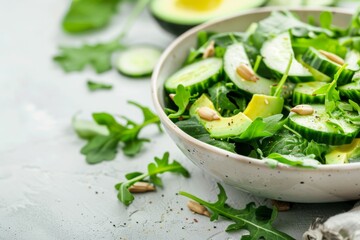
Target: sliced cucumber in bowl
point(197, 76)
point(276, 53)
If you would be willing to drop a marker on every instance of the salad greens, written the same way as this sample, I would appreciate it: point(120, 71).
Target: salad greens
point(103, 143)
point(98, 56)
point(94, 86)
point(160, 166)
point(85, 15)
point(257, 220)
point(257, 94)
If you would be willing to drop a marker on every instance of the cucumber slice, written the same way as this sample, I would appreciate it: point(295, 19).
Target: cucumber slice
point(308, 3)
point(318, 61)
point(303, 93)
point(276, 54)
point(196, 77)
point(235, 55)
point(138, 61)
point(351, 91)
point(317, 127)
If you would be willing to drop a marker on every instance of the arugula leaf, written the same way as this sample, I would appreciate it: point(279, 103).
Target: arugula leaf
point(293, 160)
point(193, 128)
point(98, 56)
point(332, 96)
point(258, 221)
point(285, 142)
point(321, 41)
point(279, 22)
point(160, 166)
point(94, 86)
point(100, 148)
point(84, 15)
point(221, 40)
point(181, 99)
point(262, 127)
point(103, 144)
point(354, 28)
point(219, 96)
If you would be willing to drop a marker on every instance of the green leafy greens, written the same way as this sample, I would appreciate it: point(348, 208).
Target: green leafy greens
point(101, 147)
point(98, 56)
point(257, 220)
point(85, 15)
point(181, 99)
point(160, 166)
point(94, 86)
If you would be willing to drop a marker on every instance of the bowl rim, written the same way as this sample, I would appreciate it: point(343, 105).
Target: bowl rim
point(235, 156)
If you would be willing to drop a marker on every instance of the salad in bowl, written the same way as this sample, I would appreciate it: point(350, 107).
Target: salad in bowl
point(268, 101)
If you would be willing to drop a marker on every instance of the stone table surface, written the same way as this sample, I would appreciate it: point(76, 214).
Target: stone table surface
point(47, 190)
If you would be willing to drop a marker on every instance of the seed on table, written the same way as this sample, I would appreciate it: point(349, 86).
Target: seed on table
point(280, 205)
point(141, 187)
point(197, 208)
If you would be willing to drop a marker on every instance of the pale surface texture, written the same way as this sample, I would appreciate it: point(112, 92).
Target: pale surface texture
point(47, 191)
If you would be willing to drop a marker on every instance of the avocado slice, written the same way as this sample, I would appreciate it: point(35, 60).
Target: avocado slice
point(263, 106)
point(177, 16)
point(342, 154)
point(224, 127)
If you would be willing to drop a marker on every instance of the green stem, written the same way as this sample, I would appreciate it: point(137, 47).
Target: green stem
point(257, 63)
point(139, 7)
point(283, 79)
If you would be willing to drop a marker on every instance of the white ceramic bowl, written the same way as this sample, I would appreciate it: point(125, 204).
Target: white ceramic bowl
point(327, 183)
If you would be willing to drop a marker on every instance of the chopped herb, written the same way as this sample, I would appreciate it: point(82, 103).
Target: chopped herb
point(94, 86)
point(257, 220)
point(160, 166)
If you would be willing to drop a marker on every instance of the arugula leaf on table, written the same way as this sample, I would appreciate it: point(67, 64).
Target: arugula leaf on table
point(193, 128)
point(160, 166)
point(262, 127)
point(98, 56)
point(84, 15)
point(103, 145)
point(94, 86)
point(257, 220)
point(181, 100)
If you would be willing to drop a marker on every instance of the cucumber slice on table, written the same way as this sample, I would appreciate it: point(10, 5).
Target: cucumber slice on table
point(351, 91)
point(276, 53)
point(318, 61)
point(196, 77)
point(304, 93)
point(318, 127)
point(138, 61)
point(235, 55)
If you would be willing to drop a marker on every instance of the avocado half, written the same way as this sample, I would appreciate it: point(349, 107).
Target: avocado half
point(177, 16)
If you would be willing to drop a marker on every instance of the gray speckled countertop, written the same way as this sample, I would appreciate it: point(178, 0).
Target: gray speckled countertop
point(47, 191)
